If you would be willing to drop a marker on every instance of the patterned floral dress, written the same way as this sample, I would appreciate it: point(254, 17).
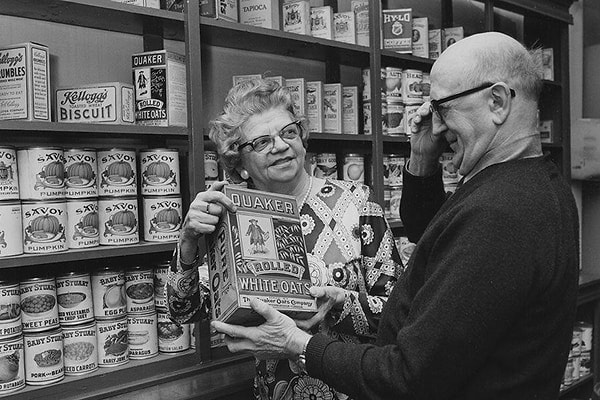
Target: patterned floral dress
point(351, 246)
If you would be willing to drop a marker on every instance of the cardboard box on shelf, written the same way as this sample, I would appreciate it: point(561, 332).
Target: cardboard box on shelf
point(350, 110)
point(263, 13)
point(420, 37)
point(314, 106)
point(397, 30)
point(321, 22)
point(361, 9)
point(332, 107)
point(296, 17)
point(297, 88)
point(344, 27)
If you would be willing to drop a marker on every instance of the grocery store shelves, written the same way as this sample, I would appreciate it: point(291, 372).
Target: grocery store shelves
point(407, 60)
point(58, 128)
point(339, 137)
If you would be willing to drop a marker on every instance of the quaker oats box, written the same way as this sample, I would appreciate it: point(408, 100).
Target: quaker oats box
point(160, 88)
point(111, 103)
point(263, 13)
point(296, 17)
point(297, 88)
point(314, 106)
point(361, 9)
point(259, 252)
point(397, 30)
point(344, 27)
point(332, 107)
point(321, 22)
point(420, 37)
point(25, 82)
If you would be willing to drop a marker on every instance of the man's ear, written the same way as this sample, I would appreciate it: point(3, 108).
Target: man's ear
point(500, 102)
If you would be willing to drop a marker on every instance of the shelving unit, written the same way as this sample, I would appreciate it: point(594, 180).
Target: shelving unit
point(213, 51)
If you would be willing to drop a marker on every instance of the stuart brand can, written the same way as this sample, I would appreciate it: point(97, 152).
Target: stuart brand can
point(39, 308)
point(139, 289)
point(395, 165)
point(12, 375)
point(326, 166)
point(113, 342)
point(118, 172)
point(162, 218)
point(9, 176)
point(74, 297)
point(354, 168)
point(118, 220)
point(44, 226)
point(11, 228)
point(41, 173)
point(83, 228)
point(44, 363)
point(172, 337)
point(80, 349)
point(81, 173)
point(143, 335)
point(108, 290)
point(160, 172)
point(10, 310)
point(411, 86)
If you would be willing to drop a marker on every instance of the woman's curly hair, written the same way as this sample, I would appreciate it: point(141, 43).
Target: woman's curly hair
point(244, 100)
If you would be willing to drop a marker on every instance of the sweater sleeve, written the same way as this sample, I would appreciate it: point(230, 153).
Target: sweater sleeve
point(480, 275)
point(422, 197)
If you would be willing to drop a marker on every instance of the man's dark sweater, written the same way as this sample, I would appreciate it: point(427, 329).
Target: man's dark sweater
point(486, 307)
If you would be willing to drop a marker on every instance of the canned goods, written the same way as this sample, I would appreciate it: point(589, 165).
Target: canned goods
point(11, 229)
point(10, 310)
point(393, 84)
point(411, 86)
point(39, 309)
point(387, 196)
point(396, 165)
point(354, 168)
point(143, 336)
point(172, 337)
point(117, 168)
point(410, 110)
point(139, 289)
point(160, 172)
point(74, 297)
point(80, 352)
point(44, 363)
point(162, 218)
point(9, 177)
point(395, 198)
point(384, 122)
point(211, 166)
point(118, 220)
point(367, 117)
point(41, 173)
point(449, 171)
point(81, 173)
point(395, 114)
point(113, 342)
point(12, 378)
point(426, 86)
point(44, 226)
point(193, 328)
point(586, 335)
point(326, 166)
point(108, 290)
point(83, 229)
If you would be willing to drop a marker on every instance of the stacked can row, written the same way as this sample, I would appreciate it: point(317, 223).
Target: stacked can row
point(325, 165)
point(402, 93)
point(579, 363)
point(75, 323)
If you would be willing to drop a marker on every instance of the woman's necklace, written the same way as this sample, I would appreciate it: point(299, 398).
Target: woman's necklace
point(310, 184)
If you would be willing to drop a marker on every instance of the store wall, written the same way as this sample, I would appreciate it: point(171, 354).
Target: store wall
point(591, 58)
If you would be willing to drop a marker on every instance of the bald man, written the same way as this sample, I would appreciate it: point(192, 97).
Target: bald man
point(487, 305)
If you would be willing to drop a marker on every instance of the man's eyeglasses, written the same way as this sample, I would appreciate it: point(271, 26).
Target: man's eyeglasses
point(264, 144)
point(435, 104)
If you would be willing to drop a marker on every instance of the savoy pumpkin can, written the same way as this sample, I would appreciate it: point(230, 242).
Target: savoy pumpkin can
point(9, 177)
point(81, 173)
point(118, 172)
point(162, 218)
point(44, 226)
point(160, 172)
point(41, 173)
point(83, 228)
point(118, 220)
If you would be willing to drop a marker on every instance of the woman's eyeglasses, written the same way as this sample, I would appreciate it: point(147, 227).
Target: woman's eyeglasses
point(264, 144)
point(435, 104)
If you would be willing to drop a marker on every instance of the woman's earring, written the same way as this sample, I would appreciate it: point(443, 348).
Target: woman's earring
point(244, 174)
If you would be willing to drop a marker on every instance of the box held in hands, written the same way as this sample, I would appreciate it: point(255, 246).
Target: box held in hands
point(259, 252)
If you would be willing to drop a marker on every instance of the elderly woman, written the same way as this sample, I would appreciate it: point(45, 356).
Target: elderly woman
point(354, 261)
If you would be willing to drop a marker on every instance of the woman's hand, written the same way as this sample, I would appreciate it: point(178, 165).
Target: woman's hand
point(426, 143)
point(278, 337)
point(202, 218)
point(328, 297)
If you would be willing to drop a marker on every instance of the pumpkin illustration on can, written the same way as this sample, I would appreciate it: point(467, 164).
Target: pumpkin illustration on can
point(41, 173)
point(118, 220)
point(81, 172)
point(118, 176)
point(162, 218)
point(160, 168)
point(83, 227)
point(44, 226)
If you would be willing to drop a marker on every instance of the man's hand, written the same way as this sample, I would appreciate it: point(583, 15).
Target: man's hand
point(328, 297)
point(426, 144)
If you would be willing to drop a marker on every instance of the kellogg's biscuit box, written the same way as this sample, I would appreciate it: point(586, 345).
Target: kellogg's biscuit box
point(110, 103)
point(259, 252)
point(25, 82)
point(160, 88)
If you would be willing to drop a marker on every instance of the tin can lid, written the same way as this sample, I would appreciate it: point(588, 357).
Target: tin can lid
point(39, 148)
point(72, 274)
point(87, 325)
point(7, 147)
point(79, 149)
point(55, 201)
point(158, 150)
point(104, 270)
point(38, 279)
point(114, 149)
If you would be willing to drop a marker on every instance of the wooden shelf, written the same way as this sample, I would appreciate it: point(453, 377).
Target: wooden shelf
point(85, 254)
point(99, 14)
point(314, 137)
point(407, 60)
point(395, 139)
point(220, 33)
point(60, 128)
